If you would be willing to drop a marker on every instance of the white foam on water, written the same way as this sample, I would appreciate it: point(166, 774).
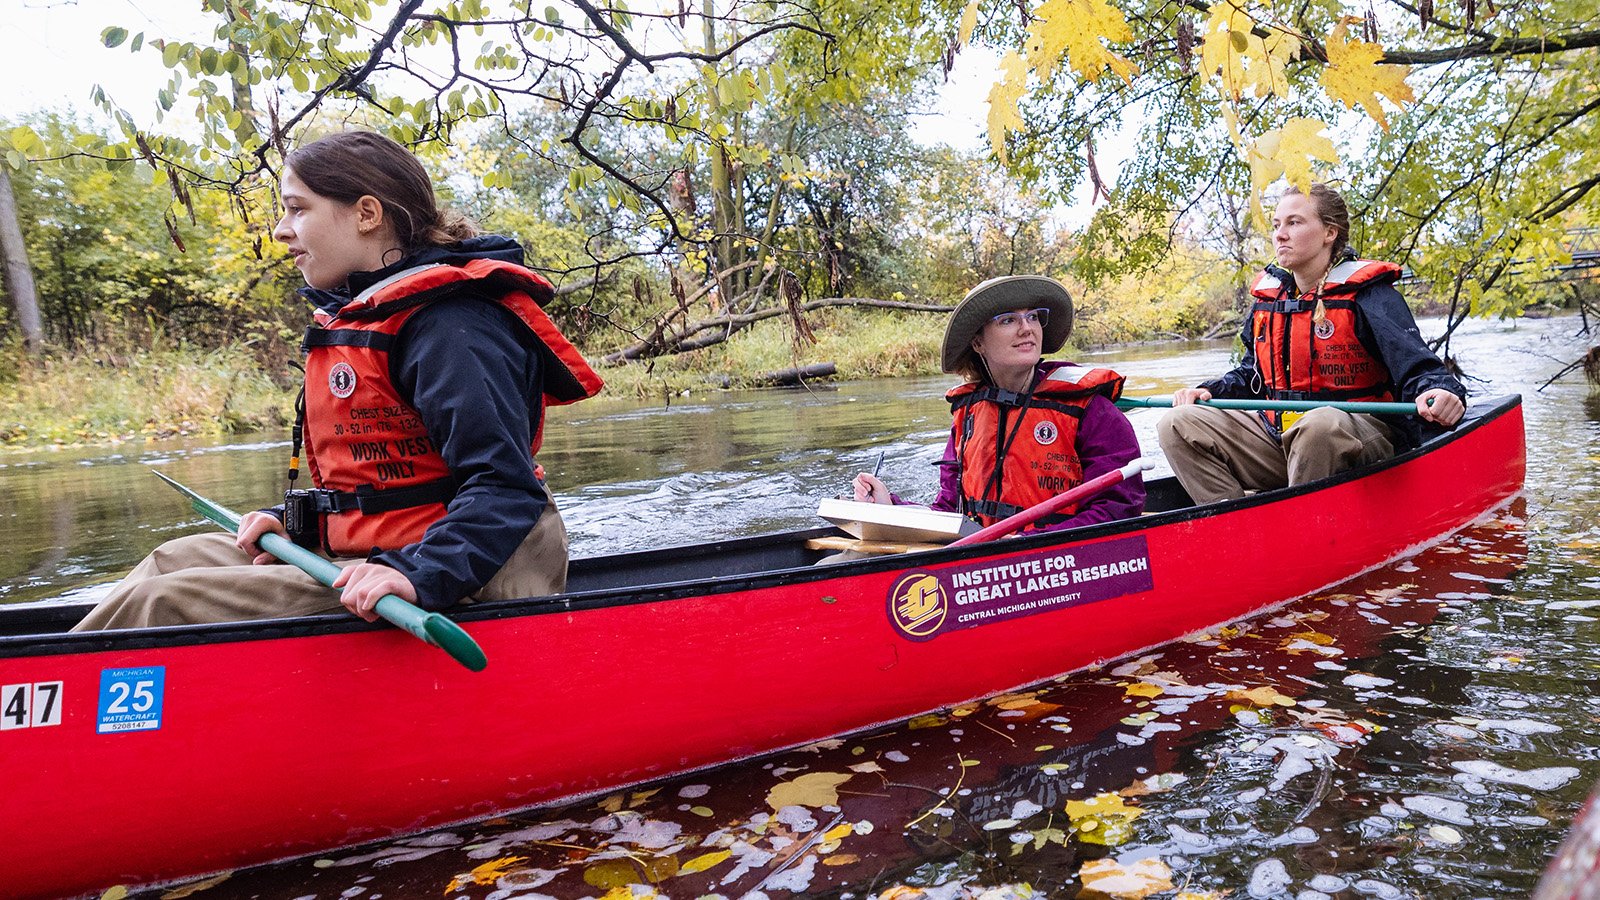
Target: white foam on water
point(1445, 810)
point(1546, 779)
point(1523, 727)
point(1268, 879)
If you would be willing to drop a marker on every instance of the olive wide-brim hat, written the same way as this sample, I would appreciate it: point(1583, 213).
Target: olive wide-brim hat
point(1001, 295)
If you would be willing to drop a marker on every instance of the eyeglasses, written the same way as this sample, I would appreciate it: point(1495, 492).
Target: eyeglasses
point(1018, 318)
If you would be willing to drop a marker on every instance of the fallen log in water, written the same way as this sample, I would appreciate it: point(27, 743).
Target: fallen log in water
point(796, 375)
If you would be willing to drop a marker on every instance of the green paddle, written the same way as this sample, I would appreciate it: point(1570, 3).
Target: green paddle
point(1373, 409)
point(429, 627)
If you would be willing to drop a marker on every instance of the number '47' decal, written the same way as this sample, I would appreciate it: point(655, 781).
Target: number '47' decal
point(30, 705)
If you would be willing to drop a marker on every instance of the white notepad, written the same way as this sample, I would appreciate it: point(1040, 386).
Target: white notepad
point(886, 522)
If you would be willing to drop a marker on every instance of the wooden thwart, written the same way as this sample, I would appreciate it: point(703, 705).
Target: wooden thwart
point(874, 547)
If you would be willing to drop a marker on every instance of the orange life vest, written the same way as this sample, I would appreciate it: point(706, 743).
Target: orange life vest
point(381, 480)
point(1299, 360)
point(1018, 450)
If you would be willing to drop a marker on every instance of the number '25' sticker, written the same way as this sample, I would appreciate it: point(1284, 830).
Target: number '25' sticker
point(130, 699)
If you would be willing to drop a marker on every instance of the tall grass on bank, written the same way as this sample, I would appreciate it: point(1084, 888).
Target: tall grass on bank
point(143, 392)
point(135, 394)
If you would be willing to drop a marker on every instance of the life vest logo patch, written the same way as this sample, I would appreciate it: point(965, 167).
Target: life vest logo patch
point(1323, 329)
point(342, 380)
point(1045, 434)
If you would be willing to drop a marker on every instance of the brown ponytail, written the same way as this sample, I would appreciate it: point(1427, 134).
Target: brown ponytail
point(348, 166)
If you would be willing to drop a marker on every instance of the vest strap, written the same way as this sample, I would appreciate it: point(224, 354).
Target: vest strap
point(344, 337)
point(370, 500)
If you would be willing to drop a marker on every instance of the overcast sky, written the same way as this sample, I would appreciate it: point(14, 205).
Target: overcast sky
point(51, 55)
point(51, 58)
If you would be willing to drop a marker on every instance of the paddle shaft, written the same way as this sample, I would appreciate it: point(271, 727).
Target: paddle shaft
point(429, 627)
point(1044, 508)
point(1372, 409)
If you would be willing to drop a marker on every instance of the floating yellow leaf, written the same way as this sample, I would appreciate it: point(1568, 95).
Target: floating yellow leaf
point(1102, 819)
point(613, 874)
point(868, 766)
point(703, 862)
point(841, 859)
point(839, 831)
point(613, 803)
point(488, 873)
point(1143, 689)
point(1390, 593)
point(1313, 637)
point(812, 789)
point(1355, 77)
point(932, 720)
point(1107, 879)
point(1043, 747)
point(1262, 696)
point(115, 893)
point(195, 887)
point(902, 892)
point(1077, 29)
point(704, 811)
point(1155, 784)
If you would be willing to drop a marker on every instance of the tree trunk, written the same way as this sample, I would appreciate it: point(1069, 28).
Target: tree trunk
point(19, 274)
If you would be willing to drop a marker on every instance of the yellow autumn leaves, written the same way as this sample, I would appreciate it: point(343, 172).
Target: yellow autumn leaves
point(1245, 53)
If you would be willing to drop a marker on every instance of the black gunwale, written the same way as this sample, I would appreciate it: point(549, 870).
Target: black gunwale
point(33, 616)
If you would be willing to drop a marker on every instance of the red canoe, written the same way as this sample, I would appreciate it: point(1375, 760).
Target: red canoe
point(143, 756)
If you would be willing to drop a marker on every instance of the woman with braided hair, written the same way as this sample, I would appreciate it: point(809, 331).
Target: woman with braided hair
point(1324, 325)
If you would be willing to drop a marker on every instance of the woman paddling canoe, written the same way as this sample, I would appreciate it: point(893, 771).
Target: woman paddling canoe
point(1324, 326)
point(427, 372)
point(1025, 430)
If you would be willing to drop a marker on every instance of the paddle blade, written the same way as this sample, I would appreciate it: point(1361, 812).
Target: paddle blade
point(453, 640)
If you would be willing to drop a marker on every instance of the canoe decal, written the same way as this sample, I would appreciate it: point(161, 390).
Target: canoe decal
point(924, 604)
point(30, 705)
point(130, 699)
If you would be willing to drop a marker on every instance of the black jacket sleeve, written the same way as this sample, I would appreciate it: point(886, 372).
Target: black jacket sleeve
point(470, 368)
point(1384, 323)
point(1242, 381)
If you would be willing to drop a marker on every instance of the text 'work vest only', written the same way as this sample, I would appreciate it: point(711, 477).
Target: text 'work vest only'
point(1300, 359)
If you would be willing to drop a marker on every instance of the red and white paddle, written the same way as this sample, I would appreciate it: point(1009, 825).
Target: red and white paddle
point(1040, 510)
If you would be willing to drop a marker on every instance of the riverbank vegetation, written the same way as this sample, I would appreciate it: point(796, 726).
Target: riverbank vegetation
point(747, 196)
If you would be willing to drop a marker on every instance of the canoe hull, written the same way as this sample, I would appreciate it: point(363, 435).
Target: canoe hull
point(268, 747)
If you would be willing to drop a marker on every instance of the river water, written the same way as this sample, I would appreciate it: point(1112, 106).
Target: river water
point(1426, 730)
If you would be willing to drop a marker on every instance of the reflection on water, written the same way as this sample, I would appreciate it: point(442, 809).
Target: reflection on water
point(1425, 730)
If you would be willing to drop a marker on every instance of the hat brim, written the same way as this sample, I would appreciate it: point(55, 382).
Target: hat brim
point(999, 295)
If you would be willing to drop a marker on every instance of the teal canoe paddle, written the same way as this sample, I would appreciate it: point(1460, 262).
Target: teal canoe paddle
point(429, 627)
point(1371, 409)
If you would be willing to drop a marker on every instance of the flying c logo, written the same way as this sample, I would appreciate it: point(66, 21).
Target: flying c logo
point(917, 606)
point(342, 380)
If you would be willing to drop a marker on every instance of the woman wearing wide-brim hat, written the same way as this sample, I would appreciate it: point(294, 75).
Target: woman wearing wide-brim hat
point(1025, 430)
